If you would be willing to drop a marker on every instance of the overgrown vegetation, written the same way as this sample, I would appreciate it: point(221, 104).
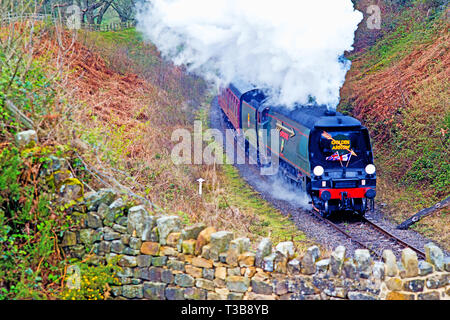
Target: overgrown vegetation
point(399, 87)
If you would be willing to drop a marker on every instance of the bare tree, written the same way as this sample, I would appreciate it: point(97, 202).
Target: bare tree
point(125, 9)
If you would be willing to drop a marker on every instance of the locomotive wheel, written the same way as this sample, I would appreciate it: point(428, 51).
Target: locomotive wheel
point(325, 212)
point(361, 207)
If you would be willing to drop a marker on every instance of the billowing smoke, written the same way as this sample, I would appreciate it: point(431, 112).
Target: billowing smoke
point(293, 47)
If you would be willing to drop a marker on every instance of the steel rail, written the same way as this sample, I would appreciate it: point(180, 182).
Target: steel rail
point(352, 239)
point(393, 237)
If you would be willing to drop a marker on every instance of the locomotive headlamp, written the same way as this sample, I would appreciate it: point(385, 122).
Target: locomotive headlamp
point(318, 171)
point(370, 169)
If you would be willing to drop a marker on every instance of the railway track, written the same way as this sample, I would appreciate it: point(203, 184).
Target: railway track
point(369, 235)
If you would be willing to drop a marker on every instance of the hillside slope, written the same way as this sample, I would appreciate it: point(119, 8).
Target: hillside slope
point(399, 87)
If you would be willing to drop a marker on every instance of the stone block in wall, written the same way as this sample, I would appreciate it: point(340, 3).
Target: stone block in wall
point(150, 248)
point(425, 268)
point(230, 257)
point(268, 263)
point(94, 220)
point(188, 246)
point(294, 266)
point(128, 261)
point(234, 271)
point(130, 252)
point(261, 287)
point(133, 291)
point(263, 250)
point(240, 244)
point(213, 296)
point(94, 199)
point(220, 241)
point(394, 284)
point(174, 293)
point(201, 262)
point(350, 270)
point(390, 262)
point(140, 223)
point(437, 281)
point(135, 243)
point(167, 225)
point(89, 236)
point(432, 295)
point(415, 285)
point(119, 228)
point(144, 261)
point(220, 273)
point(235, 296)
point(219, 283)
point(246, 259)
point(69, 239)
point(175, 265)
point(116, 209)
point(159, 261)
point(125, 239)
point(205, 284)
point(195, 294)
point(322, 265)
point(237, 283)
point(193, 271)
point(286, 248)
point(102, 210)
point(104, 247)
point(109, 234)
point(378, 270)
point(363, 262)
point(301, 285)
point(255, 296)
point(355, 295)
point(184, 280)
point(395, 295)
point(117, 246)
point(203, 239)
point(410, 262)
point(337, 260)
point(126, 272)
point(172, 239)
point(308, 265)
point(168, 251)
point(280, 287)
point(435, 256)
point(447, 264)
point(154, 290)
point(280, 263)
point(167, 276)
point(192, 232)
point(402, 270)
point(208, 274)
point(122, 221)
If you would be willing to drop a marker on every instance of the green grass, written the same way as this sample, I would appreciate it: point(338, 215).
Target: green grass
point(271, 220)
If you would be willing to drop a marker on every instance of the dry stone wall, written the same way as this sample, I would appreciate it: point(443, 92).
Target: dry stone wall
point(161, 258)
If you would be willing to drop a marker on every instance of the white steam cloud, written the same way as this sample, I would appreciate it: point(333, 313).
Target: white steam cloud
point(293, 47)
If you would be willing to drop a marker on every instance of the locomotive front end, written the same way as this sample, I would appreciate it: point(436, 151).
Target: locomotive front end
point(343, 176)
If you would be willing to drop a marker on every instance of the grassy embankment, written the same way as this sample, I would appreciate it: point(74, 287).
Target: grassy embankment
point(108, 104)
point(228, 201)
point(399, 87)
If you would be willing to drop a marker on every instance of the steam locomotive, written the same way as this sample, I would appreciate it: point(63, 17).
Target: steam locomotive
point(324, 153)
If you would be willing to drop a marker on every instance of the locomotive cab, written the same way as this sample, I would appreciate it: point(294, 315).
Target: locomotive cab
point(343, 176)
